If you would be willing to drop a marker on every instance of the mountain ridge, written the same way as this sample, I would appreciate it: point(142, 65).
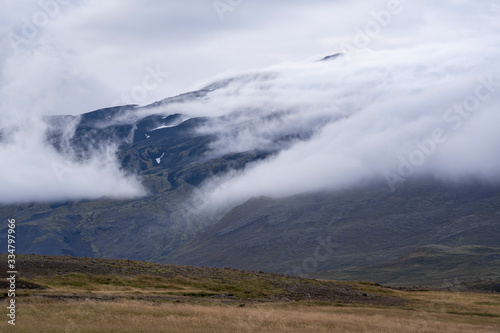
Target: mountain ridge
point(368, 225)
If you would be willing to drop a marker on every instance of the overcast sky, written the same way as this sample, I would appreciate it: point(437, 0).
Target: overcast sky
point(70, 57)
point(87, 54)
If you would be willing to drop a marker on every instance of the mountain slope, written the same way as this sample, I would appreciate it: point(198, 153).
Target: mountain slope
point(358, 228)
point(437, 265)
point(174, 152)
point(167, 153)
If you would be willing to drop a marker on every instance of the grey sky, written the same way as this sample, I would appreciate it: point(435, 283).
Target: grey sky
point(89, 53)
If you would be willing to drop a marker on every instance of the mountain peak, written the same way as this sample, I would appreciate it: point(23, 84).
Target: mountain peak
point(331, 57)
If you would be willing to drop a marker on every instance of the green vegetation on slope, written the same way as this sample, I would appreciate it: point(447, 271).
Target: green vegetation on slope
point(68, 294)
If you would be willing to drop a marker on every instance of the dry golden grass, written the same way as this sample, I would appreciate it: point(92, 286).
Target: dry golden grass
point(35, 314)
point(189, 300)
point(449, 301)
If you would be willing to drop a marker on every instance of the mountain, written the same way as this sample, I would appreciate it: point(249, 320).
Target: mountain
point(360, 234)
point(165, 151)
point(427, 232)
point(331, 57)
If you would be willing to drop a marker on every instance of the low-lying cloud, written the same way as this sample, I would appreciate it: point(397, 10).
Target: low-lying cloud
point(33, 171)
point(421, 97)
point(388, 115)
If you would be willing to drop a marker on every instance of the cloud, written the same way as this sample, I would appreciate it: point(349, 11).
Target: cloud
point(33, 171)
point(429, 110)
point(98, 50)
point(335, 123)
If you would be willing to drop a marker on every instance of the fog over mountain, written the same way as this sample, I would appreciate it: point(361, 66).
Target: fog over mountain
point(415, 93)
point(388, 115)
point(342, 139)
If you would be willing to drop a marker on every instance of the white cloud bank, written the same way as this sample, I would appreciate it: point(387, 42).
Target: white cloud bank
point(389, 115)
point(381, 107)
point(32, 171)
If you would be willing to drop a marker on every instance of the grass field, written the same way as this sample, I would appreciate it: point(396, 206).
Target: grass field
point(48, 315)
point(223, 300)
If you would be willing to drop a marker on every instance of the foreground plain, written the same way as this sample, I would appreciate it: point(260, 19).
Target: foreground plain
point(66, 294)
